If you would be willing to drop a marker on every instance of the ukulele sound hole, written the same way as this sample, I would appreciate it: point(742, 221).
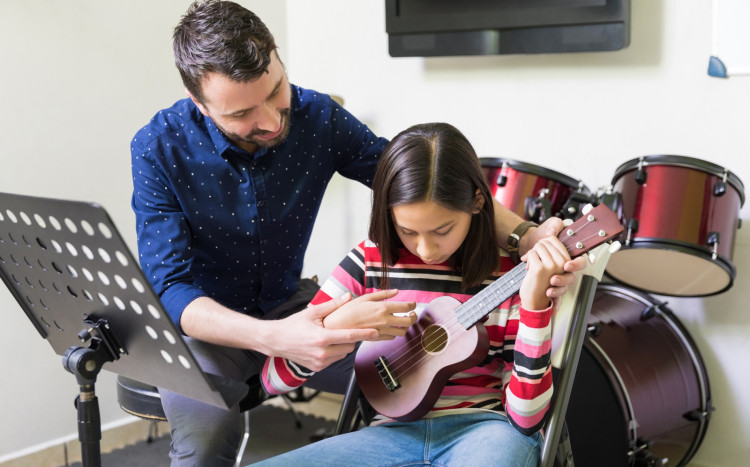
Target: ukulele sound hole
point(434, 338)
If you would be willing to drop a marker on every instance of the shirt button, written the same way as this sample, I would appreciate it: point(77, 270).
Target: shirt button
point(260, 203)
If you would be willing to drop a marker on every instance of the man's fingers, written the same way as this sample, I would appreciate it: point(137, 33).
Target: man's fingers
point(324, 309)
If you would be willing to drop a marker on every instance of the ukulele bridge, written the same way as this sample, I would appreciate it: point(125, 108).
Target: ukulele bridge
point(384, 370)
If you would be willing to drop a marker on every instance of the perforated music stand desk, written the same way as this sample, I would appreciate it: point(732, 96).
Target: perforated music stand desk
point(74, 277)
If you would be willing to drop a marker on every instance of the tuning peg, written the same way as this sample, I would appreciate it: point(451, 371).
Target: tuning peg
point(591, 257)
point(567, 222)
point(588, 207)
point(614, 247)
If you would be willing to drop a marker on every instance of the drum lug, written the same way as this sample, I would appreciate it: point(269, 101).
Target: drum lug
point(720, 187)
point(650, 311)
point(713, 239)
point(700, 415)
point(502, 179)
point(594, 329)
point(632, 227)
point(640, 174)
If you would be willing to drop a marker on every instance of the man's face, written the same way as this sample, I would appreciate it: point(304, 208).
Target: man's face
point(252, 114)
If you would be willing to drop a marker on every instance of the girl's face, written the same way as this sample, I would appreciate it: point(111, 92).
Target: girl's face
point(429, 230)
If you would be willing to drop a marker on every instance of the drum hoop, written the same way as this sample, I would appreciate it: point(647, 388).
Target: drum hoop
point(497, 162)
point(682, 247)
point(696, 359)
point(704, 389)
point(683, 161)
point(615, 379)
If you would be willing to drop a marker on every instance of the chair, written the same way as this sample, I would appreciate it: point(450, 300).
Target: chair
point(143, 400)
point(568, 331)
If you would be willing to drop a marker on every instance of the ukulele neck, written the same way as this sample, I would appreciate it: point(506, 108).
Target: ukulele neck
point(491, 296)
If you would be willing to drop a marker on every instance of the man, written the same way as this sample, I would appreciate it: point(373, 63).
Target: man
point(227, 185)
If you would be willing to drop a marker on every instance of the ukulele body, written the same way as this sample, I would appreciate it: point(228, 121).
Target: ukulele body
point(422, 361)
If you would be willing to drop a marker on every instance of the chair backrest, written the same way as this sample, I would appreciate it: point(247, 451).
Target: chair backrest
point(563, 318)
point(568, 333)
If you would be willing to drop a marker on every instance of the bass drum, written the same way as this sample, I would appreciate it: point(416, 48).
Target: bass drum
point(680, 216)
point(641, 393)
point(533, 192)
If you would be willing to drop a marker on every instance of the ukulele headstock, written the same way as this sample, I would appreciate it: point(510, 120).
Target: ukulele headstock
point(597, 225)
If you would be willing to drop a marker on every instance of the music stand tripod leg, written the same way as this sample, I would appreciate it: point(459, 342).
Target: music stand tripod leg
point(86, 363)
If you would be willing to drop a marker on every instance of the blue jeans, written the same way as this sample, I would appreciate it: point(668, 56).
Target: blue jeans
point(478, 438)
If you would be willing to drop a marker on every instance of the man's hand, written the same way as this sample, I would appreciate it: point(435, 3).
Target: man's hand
point(559, 283)
point(303, 339)
point(391, 319)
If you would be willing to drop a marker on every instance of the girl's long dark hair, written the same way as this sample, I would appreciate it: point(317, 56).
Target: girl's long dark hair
point(434, 162)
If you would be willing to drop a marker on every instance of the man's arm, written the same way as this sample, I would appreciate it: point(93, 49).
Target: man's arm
point(301, 337)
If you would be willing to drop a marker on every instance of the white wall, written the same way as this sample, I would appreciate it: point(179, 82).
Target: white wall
point(580, 114)
point(79, 78)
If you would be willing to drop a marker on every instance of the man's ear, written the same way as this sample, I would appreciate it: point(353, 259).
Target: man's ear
point(478, 202)
point(197, 103)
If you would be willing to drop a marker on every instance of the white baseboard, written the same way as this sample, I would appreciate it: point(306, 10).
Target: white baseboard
point(65, 450)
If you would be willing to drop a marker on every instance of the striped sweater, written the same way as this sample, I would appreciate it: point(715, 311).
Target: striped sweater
point(515, 376)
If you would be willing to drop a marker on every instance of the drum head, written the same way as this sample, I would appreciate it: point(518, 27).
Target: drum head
point(665, 269)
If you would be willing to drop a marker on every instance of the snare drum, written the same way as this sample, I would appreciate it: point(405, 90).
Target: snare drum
point(533, 192)
point(680, 216)
point(641, 394)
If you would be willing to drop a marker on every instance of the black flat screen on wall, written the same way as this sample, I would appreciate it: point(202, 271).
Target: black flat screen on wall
point(431, 28)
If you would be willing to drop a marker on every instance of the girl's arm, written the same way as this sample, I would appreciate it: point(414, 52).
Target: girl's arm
point(529, 390)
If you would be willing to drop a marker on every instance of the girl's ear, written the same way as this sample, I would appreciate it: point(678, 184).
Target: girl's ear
point(478, 202)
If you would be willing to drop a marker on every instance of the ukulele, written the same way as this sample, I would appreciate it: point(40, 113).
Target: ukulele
point(403, 378)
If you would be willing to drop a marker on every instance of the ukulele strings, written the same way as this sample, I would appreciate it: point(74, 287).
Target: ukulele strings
point(452, 327)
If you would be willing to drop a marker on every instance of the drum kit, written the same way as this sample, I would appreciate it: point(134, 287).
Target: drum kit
point(641, 394)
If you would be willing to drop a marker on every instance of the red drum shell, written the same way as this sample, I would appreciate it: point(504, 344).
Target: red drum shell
point(639, 380)
point(524, 180)
point(677, 213)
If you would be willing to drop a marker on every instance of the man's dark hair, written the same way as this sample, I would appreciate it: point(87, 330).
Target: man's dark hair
point(222, 37)
point(434, 162)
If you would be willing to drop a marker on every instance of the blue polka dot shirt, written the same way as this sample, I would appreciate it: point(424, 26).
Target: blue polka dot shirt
point(214, 220)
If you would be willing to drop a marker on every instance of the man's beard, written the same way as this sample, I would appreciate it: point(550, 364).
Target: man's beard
point(263, 143)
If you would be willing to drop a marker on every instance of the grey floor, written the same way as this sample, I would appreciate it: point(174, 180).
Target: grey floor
point(272, 431)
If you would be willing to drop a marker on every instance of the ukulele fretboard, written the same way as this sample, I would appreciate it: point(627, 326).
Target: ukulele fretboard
point(491, 296)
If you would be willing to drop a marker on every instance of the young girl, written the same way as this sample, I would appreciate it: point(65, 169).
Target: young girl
point(431, 235)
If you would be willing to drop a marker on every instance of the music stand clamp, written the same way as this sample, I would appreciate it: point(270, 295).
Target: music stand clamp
point(72, 274)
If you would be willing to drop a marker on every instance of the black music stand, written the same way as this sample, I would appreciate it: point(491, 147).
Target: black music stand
point(74, 277)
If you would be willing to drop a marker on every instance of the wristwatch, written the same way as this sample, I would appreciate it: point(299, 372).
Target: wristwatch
point(515, 238)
